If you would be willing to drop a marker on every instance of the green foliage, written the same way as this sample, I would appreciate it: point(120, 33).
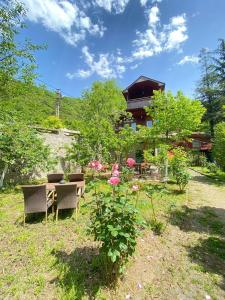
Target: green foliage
point(97, 117)
point(174, 116)
point(22, 151)
point(198, 159)
point(157, 226)
point(16, 59)
point(211, 87)
point(114, 223)
point(53, 122)
point(159, 159)
point(179, 164)
point(219, 145)
point(127, 139)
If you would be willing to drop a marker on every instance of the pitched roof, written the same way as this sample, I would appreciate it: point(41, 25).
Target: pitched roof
point(144, 78)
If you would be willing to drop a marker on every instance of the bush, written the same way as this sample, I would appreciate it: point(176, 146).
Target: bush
point(182, 178)
point(22, 152)
point(212, 167)
point(198, 159)
point(53, 122)
point(114, 224)
point(219, 145)
point(179, 164)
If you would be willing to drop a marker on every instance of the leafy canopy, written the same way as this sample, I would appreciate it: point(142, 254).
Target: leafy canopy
point(97, 118)
point(174, 116)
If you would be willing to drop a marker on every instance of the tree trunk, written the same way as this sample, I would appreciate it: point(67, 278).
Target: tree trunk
point(3, 175)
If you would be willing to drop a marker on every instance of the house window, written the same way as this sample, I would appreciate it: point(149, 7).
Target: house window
point(196, 144)
point(149, 123)
point(134, 125)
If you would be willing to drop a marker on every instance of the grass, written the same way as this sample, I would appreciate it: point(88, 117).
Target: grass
point(60, 260)
point(219, 175)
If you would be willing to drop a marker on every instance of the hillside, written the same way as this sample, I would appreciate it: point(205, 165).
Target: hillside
point(33, 104)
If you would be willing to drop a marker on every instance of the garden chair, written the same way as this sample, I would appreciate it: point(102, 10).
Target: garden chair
point(73, 177)
point(55, 177)
point(76, 177)
point(67, 197)
point(35, 200)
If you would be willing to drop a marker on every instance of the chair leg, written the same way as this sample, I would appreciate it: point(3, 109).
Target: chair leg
point(76, 213)
point(53, 208)
point(24, 219)
point(46, 217)
point(56, 216)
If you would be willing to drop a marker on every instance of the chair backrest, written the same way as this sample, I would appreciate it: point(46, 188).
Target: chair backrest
point(76, 177)
point(55, 177)
point(35, 198)
point(66, 195)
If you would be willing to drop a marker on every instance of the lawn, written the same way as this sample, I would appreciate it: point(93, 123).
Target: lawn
point(60, 260)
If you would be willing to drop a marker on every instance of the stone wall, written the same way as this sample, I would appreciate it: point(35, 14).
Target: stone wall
point(58, 140)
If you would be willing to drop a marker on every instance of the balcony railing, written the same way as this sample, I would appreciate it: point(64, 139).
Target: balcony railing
point(138, 102)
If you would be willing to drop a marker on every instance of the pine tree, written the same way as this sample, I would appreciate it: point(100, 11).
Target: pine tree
point(219, 67)
point(207, 90)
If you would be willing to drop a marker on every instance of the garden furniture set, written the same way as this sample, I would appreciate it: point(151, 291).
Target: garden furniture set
point(56, 192)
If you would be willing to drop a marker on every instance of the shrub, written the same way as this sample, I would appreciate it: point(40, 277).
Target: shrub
point(53, 122)
point(114, 224)
point(212, 167)
point(179, 164)
point(219, 145)
point(182, 178)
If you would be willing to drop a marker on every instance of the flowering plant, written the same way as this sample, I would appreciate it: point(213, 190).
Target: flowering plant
point(114, 222)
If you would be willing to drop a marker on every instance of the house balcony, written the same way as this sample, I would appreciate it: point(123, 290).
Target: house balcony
point(138, 103)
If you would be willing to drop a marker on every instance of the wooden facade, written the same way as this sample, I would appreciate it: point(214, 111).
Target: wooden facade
point(138, 95)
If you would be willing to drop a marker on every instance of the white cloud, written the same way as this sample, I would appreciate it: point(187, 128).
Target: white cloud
point(133, 67)
point(153, 17)
point(157, 37)
point(116, 6)
point(176, 32)
point(189, 59)
point(106, 66)
point(63, 17)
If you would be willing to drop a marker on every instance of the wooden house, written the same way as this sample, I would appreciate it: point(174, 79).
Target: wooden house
point(138, 95)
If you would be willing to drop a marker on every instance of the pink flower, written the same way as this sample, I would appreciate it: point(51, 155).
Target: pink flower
point(115, 167)
point(130, 162)
point(99, 167)
point(116, 173)
point(95, 164)
point(135, 188)
point(114, 180)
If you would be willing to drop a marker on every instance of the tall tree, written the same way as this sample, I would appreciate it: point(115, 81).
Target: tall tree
point(17, 61)
point(207, 90)
point(174, 117)
point(97, 117)
point(219, 67)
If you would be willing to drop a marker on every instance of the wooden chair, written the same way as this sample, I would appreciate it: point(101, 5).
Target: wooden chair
point(76, 177)
point(66, 197)
point(36, 200)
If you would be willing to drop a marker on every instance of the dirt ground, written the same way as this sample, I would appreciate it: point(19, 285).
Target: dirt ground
point(188, 260)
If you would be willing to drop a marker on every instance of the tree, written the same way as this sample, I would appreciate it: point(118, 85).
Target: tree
point(207, 90)
point(219, 145)
point(22, 152)
point(97, 118)
point(127, 138)
point(174, 117)
point(16, 59)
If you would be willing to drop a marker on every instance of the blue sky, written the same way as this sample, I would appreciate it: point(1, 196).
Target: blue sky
point(122, 39)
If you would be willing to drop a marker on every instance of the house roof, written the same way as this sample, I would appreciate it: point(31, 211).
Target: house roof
point(141, 79)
